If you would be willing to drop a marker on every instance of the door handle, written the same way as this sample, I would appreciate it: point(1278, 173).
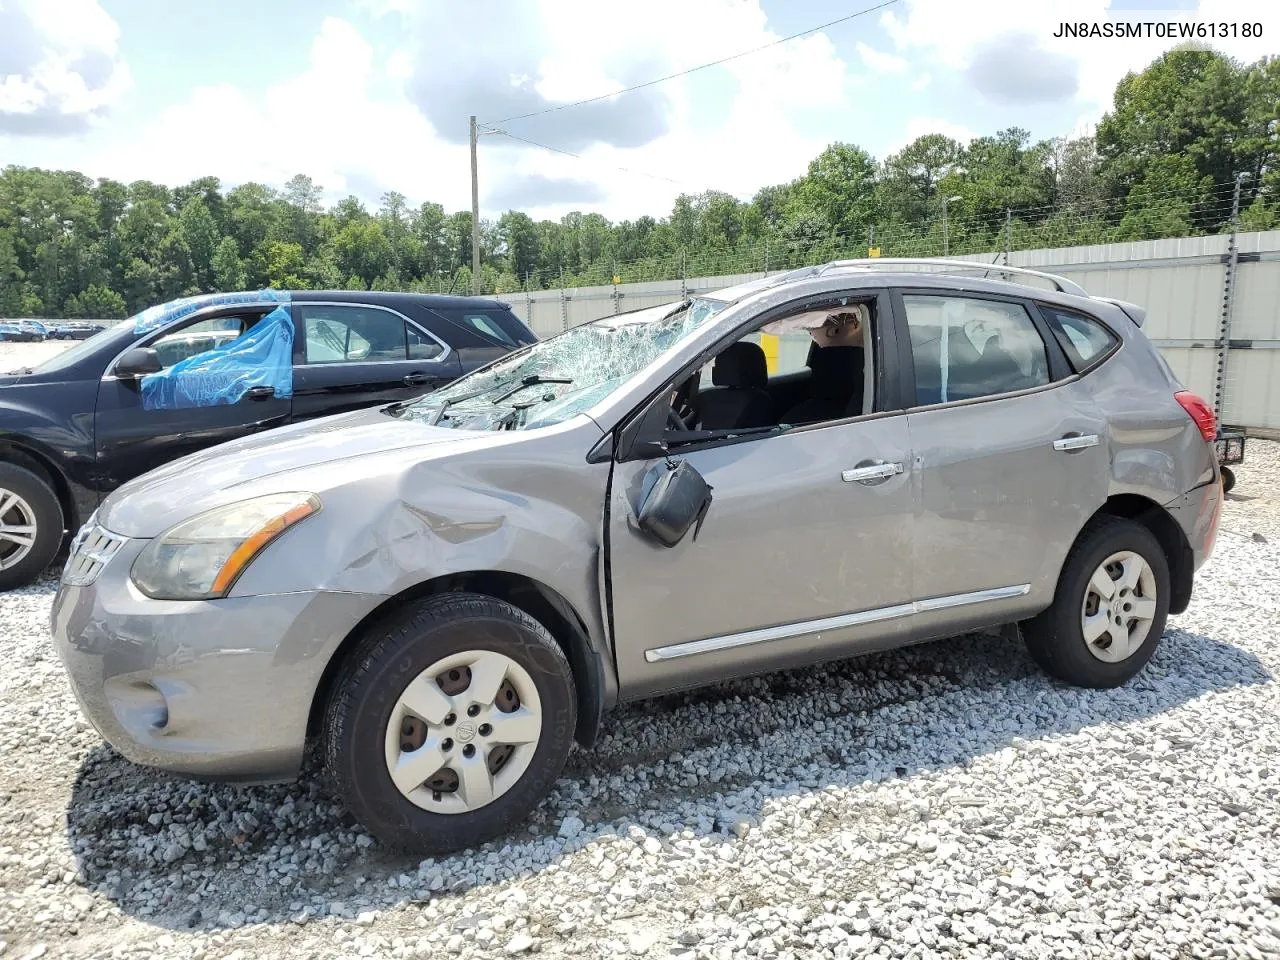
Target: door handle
point(1075, 442)
point(876, 471)
point(415, 379)
point(261, 393)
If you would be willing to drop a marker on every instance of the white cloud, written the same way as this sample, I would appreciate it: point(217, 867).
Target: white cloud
point(60, 67)
point(975, 40)
point(384, 143)
point(880, 62)
point(734, 130)
point(734, 127)
point(923, 81)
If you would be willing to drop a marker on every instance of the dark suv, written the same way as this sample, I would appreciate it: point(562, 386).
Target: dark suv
point(196, 372)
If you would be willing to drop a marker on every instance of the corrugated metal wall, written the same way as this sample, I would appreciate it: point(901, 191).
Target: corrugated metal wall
point(1181, 282)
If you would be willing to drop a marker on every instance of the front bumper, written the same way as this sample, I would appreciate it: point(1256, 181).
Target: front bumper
point(218, 689)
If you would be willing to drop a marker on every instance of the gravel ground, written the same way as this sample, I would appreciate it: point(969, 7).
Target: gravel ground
point(942, 801)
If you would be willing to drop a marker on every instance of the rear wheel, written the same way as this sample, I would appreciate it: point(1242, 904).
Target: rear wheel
point(31, 526)
point(1110, 607)
point(451, 723)
point(1228, 479)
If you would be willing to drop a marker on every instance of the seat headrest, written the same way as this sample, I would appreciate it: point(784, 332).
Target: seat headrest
point(741, 364)
point(837, 372)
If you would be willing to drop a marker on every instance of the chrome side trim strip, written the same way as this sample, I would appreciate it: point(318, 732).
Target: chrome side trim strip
point(788, 630)
point(965, 599)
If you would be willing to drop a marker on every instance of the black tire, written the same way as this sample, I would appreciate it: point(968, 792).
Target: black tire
point(49, 522)
point(375, 676)
point(1228, 479)
point(1055, 638)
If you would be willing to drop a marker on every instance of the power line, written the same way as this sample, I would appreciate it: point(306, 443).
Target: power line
point(704, 66)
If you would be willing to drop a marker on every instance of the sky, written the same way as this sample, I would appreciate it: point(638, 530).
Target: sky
point(370, 96)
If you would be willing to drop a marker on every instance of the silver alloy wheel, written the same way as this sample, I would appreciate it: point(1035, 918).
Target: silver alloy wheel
point(463, 732)
point(17, 529)
point(1119, 606)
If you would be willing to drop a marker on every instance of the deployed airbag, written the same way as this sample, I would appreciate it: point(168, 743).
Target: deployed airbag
point(262, 357)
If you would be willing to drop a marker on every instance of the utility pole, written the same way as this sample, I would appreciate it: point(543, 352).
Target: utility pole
point(475, 213)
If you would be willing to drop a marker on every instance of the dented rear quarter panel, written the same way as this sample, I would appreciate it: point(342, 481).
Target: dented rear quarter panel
point(1156, 449)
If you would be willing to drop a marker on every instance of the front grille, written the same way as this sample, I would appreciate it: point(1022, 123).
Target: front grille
point(90, 551)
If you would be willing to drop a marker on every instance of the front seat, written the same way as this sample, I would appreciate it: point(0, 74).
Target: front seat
point(737, 399)
point(835, 387)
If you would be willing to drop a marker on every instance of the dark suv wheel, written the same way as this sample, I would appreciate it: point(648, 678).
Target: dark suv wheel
point(31, 526)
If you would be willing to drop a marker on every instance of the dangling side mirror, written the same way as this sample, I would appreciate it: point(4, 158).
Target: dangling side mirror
point(678, 499)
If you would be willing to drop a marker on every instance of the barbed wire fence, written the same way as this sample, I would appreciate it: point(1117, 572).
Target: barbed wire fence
point(1175, 211)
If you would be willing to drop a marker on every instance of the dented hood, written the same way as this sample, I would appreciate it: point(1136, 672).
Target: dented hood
point(308, 456)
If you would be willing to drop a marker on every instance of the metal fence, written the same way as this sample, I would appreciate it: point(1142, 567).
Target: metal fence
point(1213, 308)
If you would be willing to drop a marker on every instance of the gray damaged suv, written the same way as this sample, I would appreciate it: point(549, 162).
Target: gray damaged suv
point(448, 591)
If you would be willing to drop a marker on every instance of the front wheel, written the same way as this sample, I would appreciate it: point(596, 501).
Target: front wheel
point(1109, 610)
point(450, 723)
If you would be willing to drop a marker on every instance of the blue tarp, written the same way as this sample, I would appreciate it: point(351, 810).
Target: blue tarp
point(263, 357)
point(153, 318)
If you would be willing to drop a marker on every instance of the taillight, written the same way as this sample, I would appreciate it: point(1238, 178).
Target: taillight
point(1200, 412)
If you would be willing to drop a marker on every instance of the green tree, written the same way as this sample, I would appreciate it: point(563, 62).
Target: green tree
point(1188, 103)
point(101, 303)
point(12, 277)
point(281, 265)
point(911, 176)
point(200, 235)
point(1163, 202)
point(362, 249)
point(228, 269)
point(520, 243)
point(840, 187)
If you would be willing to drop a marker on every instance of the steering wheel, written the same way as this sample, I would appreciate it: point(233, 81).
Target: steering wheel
point(675, 421)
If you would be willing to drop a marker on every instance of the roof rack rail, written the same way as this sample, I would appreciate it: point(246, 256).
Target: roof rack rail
point(1062, 284)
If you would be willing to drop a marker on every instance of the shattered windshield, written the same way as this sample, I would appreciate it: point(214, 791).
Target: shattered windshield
point(558, 378)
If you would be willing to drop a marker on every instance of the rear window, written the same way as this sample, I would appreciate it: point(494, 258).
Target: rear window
point(1085, 341)
point(498, 326)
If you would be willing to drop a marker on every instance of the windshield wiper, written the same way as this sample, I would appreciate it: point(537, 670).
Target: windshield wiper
point(508, 419)
point(532, 380)
point(449, 402)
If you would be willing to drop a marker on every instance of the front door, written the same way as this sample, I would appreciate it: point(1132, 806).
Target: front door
point(801, 556)
point(133, 436)
point(350, 355)
point(1011, 458)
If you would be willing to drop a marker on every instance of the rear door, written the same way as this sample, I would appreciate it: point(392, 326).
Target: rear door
point(133, 436)
point(353, 355)
point(1010, 455)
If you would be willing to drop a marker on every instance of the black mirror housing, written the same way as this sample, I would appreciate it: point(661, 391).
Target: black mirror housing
point(139, 362)
point(678, 499)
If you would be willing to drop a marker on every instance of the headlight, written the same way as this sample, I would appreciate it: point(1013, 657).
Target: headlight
point(202, 558)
